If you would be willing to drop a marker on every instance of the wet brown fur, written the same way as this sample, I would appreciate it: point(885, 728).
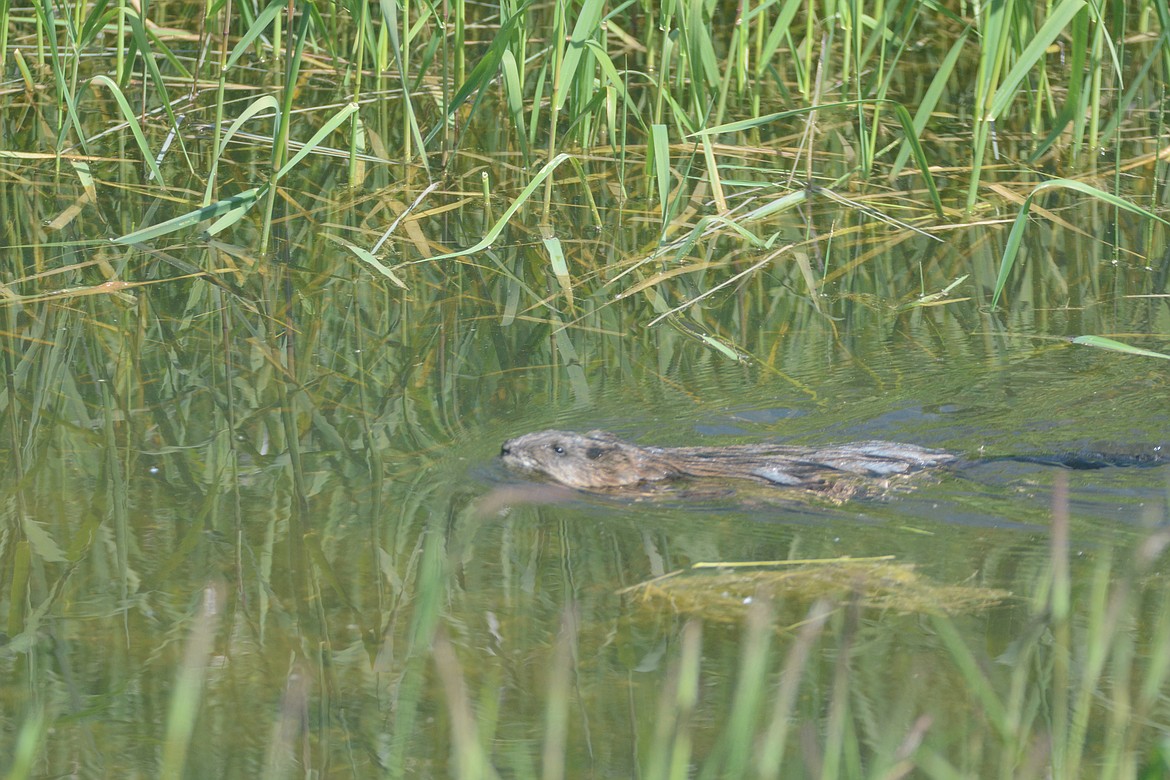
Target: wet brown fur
point(597, 460)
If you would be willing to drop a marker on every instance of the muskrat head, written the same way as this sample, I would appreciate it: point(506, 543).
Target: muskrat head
point(582, 460)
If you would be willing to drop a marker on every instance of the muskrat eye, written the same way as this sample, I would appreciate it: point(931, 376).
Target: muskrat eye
point(558, 449)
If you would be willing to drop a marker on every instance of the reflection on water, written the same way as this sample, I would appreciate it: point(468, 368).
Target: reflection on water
point(337, 574)
point(394, 527)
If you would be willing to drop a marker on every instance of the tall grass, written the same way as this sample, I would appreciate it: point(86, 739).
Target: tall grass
point(568, 74)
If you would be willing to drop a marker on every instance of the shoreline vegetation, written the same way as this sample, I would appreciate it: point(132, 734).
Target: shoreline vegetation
point(272, 273)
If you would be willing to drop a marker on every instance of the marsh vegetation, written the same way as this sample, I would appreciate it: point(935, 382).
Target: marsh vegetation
point(278, 279)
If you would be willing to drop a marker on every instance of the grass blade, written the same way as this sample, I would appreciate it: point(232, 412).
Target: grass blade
point(1100, 342)
point(1035, 51)
point(235, 202)
point(498, 227)
point(1016, 236)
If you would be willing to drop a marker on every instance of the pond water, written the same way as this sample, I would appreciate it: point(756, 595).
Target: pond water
point(334, 571)
point(255, 523)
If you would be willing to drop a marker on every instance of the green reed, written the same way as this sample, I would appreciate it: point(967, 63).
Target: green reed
point(555, 69)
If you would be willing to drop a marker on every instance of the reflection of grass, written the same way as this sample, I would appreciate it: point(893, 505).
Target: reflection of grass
point(1078, 692)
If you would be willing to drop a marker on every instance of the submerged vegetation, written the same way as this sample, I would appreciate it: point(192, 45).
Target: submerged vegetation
point(877, 583)
point(276, 277)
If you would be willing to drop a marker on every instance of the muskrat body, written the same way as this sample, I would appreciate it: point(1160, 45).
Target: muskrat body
point(598, 460)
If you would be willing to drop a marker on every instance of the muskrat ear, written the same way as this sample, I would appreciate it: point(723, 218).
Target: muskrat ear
point(593, 453)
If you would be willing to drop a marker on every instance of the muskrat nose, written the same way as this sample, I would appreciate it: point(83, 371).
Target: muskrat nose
point(506, 448)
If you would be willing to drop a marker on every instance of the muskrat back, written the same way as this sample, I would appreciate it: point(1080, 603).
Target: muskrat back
point(601, 460)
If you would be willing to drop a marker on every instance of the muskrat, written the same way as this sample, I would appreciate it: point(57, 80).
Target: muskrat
point(601, 460)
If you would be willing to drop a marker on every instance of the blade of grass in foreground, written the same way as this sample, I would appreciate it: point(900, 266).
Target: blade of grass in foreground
point(132, 122)
point(1100, 342)
point(241, 201)
point(931, 98)
point(660, 150)
point(188, 690)
point(556, 715)
point(587, 26)
point(261, 104)
point(770, 757)
point(1035, 52)
point(670, 749)
point(1016, 236)
point(471, 760)
point(29, 742)
point(734, 749)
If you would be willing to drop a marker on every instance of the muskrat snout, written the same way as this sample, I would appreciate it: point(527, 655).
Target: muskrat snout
point(513, 448)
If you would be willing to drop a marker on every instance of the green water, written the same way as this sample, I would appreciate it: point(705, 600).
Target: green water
point(254, 524)
point(143, 491)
